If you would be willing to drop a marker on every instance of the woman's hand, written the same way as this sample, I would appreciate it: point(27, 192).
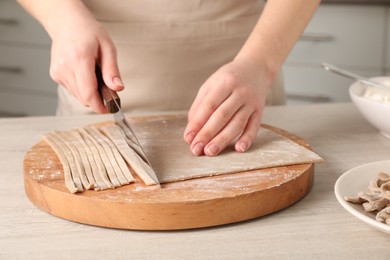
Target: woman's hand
point(229, 105)
point(79, 43)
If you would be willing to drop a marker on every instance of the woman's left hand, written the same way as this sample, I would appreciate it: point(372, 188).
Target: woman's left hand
point(229, 105)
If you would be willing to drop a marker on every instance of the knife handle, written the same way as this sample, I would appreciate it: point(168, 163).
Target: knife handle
point(108, 95)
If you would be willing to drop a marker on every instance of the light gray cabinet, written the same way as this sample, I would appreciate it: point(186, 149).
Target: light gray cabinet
point(353, 37)
point(25, 84)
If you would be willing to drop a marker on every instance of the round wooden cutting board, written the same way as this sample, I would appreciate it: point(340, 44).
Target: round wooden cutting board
point(195, 203)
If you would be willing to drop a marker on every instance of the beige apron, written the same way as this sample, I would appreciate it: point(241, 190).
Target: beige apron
point(168, 48)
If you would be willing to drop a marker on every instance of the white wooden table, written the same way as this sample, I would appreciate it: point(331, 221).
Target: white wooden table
point(316, 227)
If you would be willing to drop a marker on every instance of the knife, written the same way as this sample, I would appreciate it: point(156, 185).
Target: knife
point(112, 102)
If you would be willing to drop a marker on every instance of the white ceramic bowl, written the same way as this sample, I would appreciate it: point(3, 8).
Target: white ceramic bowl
point(377, 113)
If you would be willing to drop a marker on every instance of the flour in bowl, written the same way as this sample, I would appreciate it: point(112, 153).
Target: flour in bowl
point(378, 95)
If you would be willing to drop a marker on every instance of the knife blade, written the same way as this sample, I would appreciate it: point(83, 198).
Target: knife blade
point(111, 101)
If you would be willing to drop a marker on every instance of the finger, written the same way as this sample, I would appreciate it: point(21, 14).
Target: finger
point(206, 108)
point(87, 86)
point(217, 121)
point(233, 129)
point(226, 81)
point(249, 134)
point(110, 69)
point(189, 134)
point(63, 74)
point(199, 97)
point(71, 85)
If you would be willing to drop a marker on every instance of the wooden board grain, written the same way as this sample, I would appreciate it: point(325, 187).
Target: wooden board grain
point(194, 203)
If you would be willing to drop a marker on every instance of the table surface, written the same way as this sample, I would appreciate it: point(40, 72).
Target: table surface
point(316, 227)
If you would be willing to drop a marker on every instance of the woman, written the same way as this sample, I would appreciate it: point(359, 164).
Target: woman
point(217, 58)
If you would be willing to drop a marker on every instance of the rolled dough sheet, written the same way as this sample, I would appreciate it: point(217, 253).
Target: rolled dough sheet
point(172, 161)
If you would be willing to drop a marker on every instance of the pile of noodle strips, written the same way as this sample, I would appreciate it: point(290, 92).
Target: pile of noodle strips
point(376, 198)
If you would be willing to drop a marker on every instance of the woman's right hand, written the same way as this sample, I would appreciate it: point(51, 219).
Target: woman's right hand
point(79, 43)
